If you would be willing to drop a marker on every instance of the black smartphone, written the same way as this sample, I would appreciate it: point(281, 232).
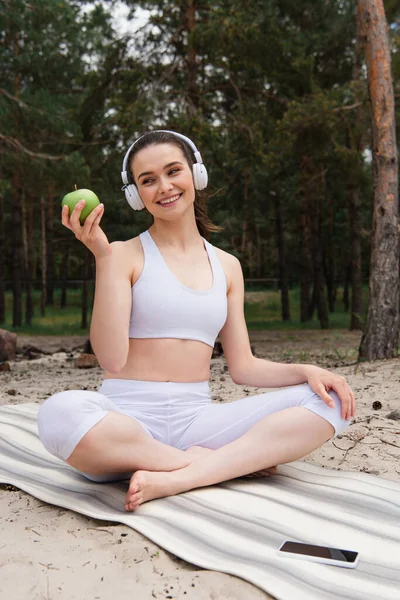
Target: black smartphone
point(321, 554)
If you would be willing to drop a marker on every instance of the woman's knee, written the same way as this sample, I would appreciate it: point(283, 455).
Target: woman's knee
point(340, 424)
point(66, 416)
point(331, 414)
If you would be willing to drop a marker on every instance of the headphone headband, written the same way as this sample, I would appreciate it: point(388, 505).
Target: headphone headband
point(196, 153)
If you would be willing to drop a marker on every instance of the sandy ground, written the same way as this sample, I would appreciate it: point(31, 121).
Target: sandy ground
point(75, 557)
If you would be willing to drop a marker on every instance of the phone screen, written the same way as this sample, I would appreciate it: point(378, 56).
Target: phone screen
point(347, 556)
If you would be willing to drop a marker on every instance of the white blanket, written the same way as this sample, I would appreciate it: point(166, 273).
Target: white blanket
point(237, 527)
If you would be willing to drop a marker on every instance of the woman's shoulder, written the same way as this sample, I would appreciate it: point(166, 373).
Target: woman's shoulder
point(128, 246)
point(227, 258)
point(229, 262)
point(132, 251)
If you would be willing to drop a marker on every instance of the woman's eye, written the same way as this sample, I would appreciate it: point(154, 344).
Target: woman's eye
point(146, 181)
point(172, 171)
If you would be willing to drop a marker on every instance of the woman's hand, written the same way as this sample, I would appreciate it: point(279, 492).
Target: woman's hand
point(90, 234)
point(322, 380)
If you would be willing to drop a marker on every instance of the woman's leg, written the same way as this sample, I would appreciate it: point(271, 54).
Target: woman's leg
point(88, 431)
point(282, 437)
point(218, 424)
point(253, 442)
point(118, 443)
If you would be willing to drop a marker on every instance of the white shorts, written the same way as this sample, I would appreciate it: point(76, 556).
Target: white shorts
point(178, 414)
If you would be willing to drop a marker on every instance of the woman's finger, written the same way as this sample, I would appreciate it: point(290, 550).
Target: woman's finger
point(353, 404)
point(321, 391)
point(344, 392)
point(92, 216)
point(75, 215)
point(99, 216)
point(92, 220)
point(96, 214)
point(65, 217)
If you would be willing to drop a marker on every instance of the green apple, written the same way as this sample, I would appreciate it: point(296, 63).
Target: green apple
point(91, 201)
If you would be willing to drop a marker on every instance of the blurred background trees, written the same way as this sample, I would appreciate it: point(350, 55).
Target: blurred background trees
point(274, 94)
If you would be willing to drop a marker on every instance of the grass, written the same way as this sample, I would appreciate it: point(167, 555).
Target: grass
point(263, 314)
point(56, 321)
point(266, 314)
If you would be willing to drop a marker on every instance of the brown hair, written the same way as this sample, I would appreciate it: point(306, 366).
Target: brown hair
point(203, 221)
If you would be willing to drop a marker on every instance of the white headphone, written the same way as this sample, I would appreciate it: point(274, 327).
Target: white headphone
point(200, 177)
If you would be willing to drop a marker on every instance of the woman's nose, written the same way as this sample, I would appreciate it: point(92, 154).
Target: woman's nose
point(165, 184)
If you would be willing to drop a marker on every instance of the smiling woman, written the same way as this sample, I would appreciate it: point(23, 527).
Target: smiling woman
point(161, 300)
point(186, 157)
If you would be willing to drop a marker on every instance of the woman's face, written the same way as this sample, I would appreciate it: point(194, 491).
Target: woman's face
point(164, 179)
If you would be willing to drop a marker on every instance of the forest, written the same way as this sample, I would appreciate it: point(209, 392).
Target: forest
point(274, 94)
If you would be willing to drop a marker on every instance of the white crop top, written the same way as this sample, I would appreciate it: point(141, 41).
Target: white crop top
point(162, 307)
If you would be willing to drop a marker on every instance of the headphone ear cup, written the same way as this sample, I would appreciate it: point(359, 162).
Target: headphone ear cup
point(133, 198)
point(200, 176)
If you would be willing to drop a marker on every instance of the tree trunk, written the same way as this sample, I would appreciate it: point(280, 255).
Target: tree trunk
point(191, 60)
point(356, 274)
point(2, 261)
point(306, 241)
point(305, 268)
point(252, 257)
point(259, 272)
point(347, 279)
point(245, 221)
point(330, 271)
point(30, 306)
point(85, 290)
point(27, 270)
point(64, 275)
point(50, 249)
point(44, 256)
point(381, 332)
point(280, 242)
point(32, 209)
point(245, 218)
point(319, 282)
point(356, 148)
point(17, 266)
point(16, 215)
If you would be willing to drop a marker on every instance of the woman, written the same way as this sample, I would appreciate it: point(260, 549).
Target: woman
point(160, 301)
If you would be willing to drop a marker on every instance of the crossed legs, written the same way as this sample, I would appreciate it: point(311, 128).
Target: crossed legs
point(89, 432)
point(119, 444)
point(282, 437)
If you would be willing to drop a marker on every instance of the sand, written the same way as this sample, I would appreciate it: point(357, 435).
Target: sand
point(51, 553)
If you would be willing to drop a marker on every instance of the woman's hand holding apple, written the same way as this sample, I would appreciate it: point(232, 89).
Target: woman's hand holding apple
point(90, 233)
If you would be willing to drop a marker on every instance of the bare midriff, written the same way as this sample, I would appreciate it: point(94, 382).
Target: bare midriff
point(165, 359)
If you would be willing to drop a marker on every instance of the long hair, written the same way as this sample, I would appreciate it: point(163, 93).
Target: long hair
point(203, 221)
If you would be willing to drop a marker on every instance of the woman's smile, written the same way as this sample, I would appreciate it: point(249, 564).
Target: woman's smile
point(169, 201)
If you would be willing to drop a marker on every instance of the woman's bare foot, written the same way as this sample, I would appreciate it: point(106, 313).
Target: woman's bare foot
point(148, 485)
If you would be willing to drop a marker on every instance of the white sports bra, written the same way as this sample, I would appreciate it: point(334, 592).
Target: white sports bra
point(162, 307)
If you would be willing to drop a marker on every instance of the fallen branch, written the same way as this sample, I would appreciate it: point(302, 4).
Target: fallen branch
point(389, 443)
point(348, 449)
